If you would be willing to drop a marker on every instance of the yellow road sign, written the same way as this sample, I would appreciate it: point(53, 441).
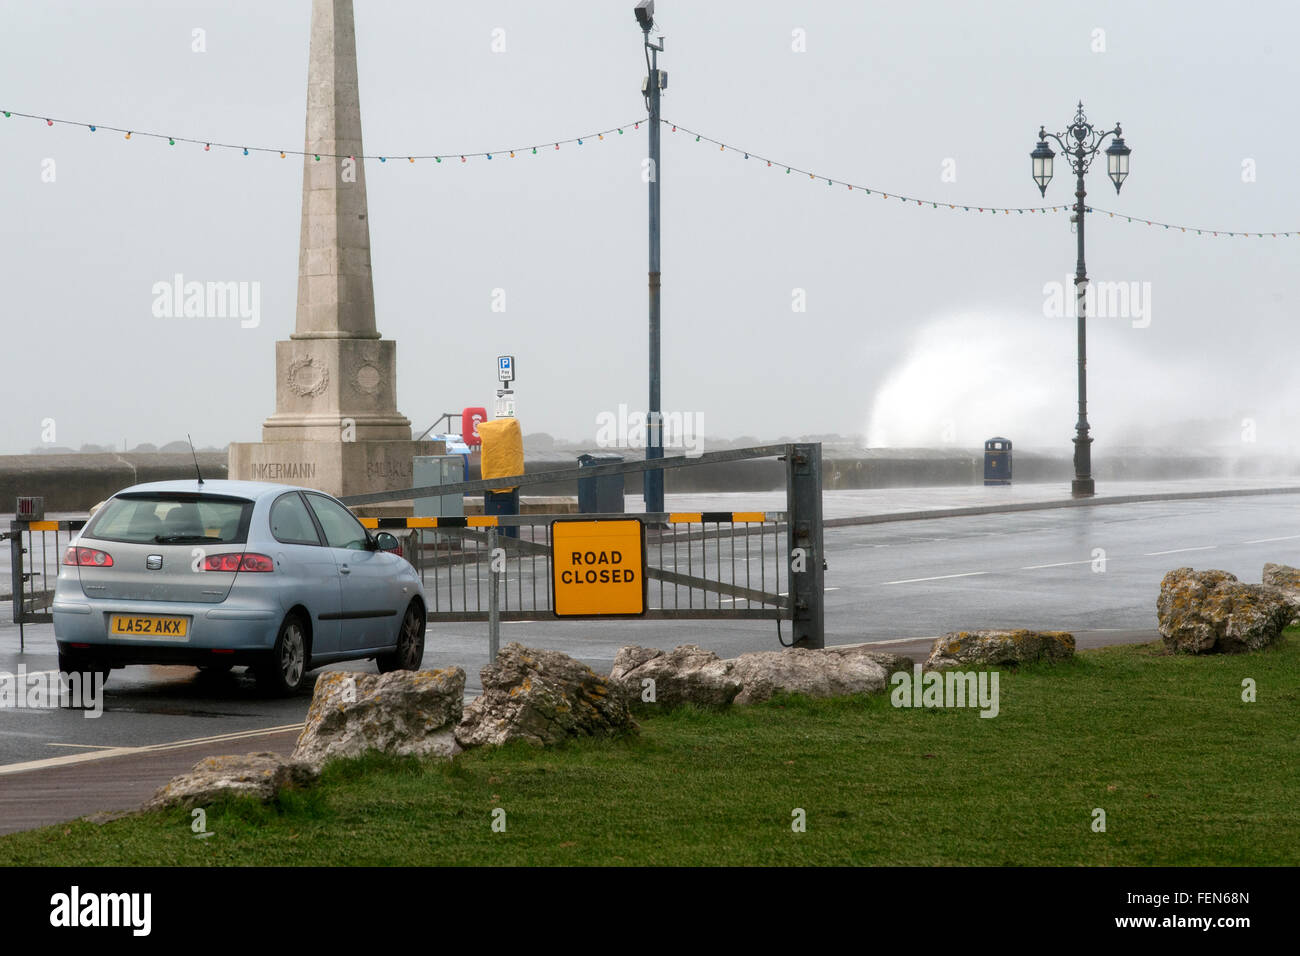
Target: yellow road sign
point(598, 567)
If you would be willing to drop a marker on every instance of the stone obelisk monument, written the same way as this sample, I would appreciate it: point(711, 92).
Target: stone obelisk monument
point(336, 426)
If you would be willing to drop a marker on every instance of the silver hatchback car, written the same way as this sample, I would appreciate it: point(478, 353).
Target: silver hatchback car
point(223, 573)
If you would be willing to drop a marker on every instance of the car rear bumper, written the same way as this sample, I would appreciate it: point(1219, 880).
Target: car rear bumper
point(114, 656)
point(237, 635)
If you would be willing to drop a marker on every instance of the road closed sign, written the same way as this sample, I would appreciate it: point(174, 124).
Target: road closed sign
point(598, 567)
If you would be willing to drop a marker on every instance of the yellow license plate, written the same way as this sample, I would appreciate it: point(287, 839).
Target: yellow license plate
point(135, 625)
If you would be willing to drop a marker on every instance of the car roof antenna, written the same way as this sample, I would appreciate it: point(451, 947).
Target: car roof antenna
point(196, 458)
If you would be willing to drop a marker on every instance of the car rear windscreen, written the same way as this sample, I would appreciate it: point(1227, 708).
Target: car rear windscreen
point(172, 518)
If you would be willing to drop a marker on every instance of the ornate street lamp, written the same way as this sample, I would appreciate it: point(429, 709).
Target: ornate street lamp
point(1042, 156)
point(1117, 159)
point(1080, 143)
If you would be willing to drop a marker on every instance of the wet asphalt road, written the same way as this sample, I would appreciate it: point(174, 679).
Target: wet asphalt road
point(1093, 571)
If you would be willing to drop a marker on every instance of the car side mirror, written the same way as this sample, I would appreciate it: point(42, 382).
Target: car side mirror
point(387, 542)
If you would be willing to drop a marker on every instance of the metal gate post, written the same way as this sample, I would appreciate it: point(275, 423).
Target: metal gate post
point(803, 491)
point(494, 601)
point(16, 569)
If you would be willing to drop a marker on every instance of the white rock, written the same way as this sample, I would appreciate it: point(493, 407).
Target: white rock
point(402, 712)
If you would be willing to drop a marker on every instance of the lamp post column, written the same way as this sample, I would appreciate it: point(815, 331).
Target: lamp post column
point(1083, 485)
point(654, 480)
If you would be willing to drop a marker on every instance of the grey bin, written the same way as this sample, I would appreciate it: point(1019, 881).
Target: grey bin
point(997, 461)
point(438, 470)
point(604, 493)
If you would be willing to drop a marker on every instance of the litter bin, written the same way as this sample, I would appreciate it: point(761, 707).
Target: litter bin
point(997, 461)
point(503, 455)
point(602, 494)
point(503, 503)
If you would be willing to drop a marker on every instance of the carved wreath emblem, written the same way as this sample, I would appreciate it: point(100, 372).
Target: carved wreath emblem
point(364, 374)
point(306, 377)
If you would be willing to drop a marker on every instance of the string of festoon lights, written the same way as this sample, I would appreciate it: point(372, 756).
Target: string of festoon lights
point(865, 190)
point(599, 136)
point(210, 145)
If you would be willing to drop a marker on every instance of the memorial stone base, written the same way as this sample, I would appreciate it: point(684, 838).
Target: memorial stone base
point(336, 468)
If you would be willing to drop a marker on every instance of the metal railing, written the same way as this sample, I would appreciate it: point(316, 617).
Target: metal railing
point(727, 564)
point(709, 573)
point(35, 550)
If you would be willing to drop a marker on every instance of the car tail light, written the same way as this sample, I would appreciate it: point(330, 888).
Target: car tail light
point(222, 562)
point(238, 562)
point(87, 557)
point(256, 562)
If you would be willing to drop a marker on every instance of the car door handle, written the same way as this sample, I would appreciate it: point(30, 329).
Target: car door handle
point(345, 570)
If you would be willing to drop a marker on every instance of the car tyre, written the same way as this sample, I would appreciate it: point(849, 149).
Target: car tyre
point(410, 643)
point(284, 672)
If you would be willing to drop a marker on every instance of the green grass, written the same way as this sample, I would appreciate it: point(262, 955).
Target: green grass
point(1187, 773)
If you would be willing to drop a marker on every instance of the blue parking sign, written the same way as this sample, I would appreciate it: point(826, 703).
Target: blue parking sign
point(506, 368)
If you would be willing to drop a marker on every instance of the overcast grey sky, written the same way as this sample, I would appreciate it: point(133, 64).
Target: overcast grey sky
point(921, 325)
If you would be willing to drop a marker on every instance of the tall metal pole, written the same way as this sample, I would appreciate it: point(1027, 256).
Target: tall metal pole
point(1081, 142)
point(1083, 485)
point(494, 599)
point(653, 488)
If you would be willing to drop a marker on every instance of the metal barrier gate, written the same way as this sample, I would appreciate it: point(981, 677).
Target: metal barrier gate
point(731, 564)
point(701, 565)
point(35, 550)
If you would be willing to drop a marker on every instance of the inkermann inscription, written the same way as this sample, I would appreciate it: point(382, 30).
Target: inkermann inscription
point(272, 470)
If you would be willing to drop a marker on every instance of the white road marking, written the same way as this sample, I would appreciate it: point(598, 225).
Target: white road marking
point(1289, 537)
point(900, 640)
point(149, 748)
point(781, 594)
point(1152, 554)
point(1059, 564)
point(938, 577)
